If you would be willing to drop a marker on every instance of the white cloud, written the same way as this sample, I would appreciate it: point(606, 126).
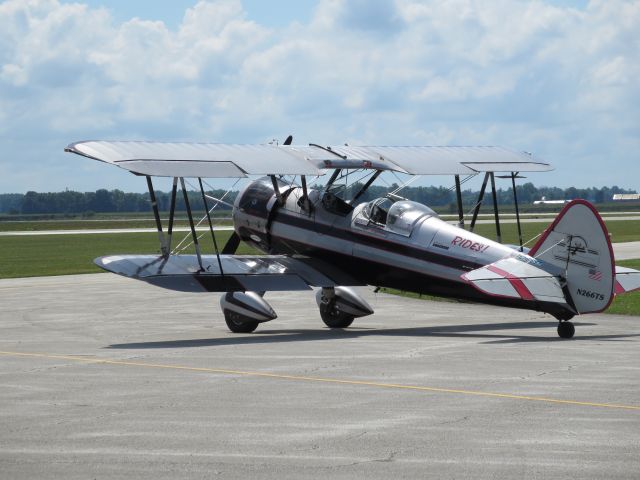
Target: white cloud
point(561, 82)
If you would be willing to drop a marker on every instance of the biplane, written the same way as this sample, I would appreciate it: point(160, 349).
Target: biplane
point(320, 238)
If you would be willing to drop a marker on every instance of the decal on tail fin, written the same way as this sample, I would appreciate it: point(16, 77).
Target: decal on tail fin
point(577, 242)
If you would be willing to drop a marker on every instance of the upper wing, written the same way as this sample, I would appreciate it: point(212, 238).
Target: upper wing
point(256, 273)
point(210, 160)
point(207, 160)
point(427, 160)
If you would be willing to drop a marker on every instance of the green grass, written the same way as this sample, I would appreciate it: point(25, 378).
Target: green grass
point(84, 224)
point(41, 255)
point(620, 231)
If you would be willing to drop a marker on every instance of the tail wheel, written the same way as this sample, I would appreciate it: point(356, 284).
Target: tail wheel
point(238, 323)
point(566, 329)
point(334, 318)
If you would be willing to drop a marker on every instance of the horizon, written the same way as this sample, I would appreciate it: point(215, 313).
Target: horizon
point(505, 187)
point(501, 184)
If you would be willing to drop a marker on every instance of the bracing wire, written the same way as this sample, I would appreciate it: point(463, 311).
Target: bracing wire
point(177, 248)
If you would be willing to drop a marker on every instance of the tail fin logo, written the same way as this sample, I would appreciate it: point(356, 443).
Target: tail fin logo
point(574, 250)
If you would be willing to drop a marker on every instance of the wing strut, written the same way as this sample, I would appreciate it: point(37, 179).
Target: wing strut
point(332, 179)
point(172, 212)
point(156, 214)
point(193, 228)
point(494, 193)
point(305, 195)
point(276, 189)
point(213, 235)
point(459, 200)
point(513, 176)
point(476, 209)
point(515, 200)
point(366, 186)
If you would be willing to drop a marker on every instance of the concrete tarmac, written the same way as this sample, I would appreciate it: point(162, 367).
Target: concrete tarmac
point(106, 377)
point(626, 250)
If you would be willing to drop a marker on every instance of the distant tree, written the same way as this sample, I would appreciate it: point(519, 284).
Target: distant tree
point(71, 202)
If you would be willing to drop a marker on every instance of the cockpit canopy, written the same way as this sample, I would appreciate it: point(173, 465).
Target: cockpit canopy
point(398, 217)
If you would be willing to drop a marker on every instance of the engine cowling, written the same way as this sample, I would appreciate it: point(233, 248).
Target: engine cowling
point(253, 211)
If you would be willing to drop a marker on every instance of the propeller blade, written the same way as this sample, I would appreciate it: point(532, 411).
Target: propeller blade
point(232, 244)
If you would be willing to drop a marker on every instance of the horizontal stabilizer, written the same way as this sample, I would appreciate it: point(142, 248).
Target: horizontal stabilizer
point(257, 273)
point(513, 278)
point(627, 280)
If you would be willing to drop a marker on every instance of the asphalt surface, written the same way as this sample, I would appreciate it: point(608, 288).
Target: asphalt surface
point(106, 377)
point(626, 250)
point(90, 231)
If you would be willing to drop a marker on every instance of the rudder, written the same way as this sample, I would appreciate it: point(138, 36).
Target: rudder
point(577, 242)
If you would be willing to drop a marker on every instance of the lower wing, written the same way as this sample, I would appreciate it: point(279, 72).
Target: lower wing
point(255, 273)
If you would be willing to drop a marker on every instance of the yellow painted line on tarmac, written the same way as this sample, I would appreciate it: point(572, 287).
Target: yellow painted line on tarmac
point(302, 378)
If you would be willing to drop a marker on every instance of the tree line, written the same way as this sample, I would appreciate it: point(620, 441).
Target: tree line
point(114, 201)
point(100, 201)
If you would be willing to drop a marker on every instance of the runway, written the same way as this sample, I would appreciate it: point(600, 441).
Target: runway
point(626, 250)
point(101, 231)
point(93, 231)
point(106, 377)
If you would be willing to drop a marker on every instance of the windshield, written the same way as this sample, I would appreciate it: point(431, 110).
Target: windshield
point(377, 210)
point(399, 217)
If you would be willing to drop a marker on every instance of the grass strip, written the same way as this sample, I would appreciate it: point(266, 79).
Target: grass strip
point(45, 255)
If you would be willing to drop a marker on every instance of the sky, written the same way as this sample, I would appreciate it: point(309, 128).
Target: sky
point(559, 79)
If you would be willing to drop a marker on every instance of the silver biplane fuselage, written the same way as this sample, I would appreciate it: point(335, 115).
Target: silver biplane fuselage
point(402, 244)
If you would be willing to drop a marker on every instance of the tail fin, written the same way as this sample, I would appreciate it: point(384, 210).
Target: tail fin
point(578, 243)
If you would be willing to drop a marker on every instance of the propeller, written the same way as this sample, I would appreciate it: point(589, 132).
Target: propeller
point(232, 244)
point(234, 240)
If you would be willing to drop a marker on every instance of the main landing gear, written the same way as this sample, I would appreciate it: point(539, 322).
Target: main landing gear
point(333, 317)
point(340, 305)
point(244, 311)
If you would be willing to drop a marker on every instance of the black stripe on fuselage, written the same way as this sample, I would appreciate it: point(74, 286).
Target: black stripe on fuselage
point(374, 273)
point(383, 244)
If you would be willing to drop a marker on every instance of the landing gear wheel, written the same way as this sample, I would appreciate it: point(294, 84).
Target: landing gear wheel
point(238, 323)
point(334, 318)
point(566, 329)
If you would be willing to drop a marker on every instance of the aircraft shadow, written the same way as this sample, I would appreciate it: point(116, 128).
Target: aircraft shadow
point(450, 331)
